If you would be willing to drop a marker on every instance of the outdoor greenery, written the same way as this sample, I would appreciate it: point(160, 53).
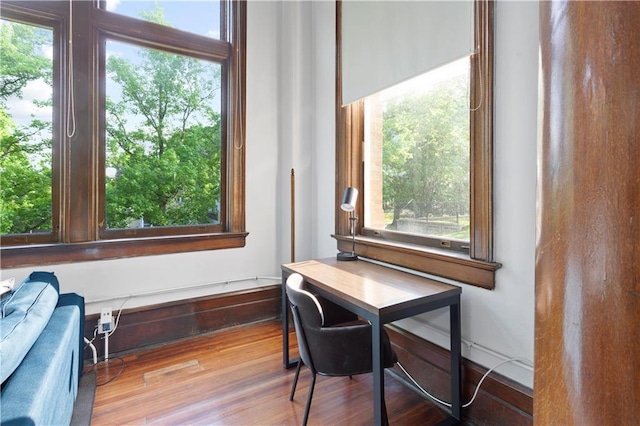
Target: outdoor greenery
point(168, 165)
point(426, 154)
point(162, 140)
point(25, 148)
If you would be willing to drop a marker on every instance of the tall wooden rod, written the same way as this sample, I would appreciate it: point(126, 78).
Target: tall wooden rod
point(293, 216)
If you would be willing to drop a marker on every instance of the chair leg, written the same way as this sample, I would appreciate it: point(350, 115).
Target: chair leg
point(295, 381)
point(308, 407)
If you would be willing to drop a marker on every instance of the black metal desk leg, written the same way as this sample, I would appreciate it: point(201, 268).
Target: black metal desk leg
point(456, 360)
point(379, 414)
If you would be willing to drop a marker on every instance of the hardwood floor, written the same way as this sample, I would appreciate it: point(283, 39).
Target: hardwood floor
point(235, 377)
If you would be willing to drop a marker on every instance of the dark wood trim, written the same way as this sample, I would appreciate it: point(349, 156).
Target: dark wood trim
point(499, 401)
point(79, 170)
point(54, 19)
point(151, 35)
point(481, 137)
point(439, 262)
point(166, 322)
point(235, 123)
point(37, 8)
point(46, 254)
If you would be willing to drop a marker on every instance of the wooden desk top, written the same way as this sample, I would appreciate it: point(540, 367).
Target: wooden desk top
point(375, 288)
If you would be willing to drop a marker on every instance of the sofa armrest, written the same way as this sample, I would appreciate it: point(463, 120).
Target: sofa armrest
point(74, 299)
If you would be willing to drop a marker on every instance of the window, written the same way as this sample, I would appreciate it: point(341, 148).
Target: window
point(162, 133)
point(417, 158)
point(26, 134)
point(425, 167)
point(145, 151)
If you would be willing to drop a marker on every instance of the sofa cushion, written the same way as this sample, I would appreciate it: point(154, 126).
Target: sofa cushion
point(24, 316)
point(44, 387)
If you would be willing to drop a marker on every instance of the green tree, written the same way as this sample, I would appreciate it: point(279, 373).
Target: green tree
point(163, 138)
point(25, 149)
point(22, 58)
point(426, 150)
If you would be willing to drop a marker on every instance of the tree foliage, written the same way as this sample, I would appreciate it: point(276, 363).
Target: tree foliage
point(25, 148)
point(426, 151)
point(163, 138)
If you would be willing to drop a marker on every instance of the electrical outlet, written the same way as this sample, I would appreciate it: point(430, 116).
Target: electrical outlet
point(105, 321)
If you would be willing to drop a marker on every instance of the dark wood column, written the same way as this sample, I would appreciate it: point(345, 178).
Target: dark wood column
point(587, 333)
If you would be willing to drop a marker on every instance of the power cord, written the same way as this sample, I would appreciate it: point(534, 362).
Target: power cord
point(93, 349)
point(107, 361)
point(475, 393)
point(115, 326)
point(110, 333)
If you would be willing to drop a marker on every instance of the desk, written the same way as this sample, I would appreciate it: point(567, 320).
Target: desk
point(379, 295)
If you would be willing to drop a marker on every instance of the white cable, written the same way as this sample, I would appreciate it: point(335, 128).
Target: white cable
point(115, 325)
point(187, 287)
point(421, 388)
point(71, 105)
point(132, 295)
point(106, 347)
point(522, 363)
point(93, 349)
point(475, 393)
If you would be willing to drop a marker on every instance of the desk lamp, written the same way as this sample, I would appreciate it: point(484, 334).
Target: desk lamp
point(349, 205)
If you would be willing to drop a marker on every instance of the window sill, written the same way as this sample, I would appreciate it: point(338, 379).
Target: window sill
point(45, 254)
point(439, 262)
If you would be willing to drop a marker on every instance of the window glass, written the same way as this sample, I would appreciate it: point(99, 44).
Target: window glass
point(163, 138)
point(417, 155)
point(26, 105)
point(200, 17)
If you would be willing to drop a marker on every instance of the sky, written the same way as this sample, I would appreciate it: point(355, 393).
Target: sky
point(200, 17)
point(22, 108)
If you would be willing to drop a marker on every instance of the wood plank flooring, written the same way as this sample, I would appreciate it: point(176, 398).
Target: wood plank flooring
point(235, 377)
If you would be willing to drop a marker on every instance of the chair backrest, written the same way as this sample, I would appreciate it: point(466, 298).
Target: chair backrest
point(310, 308)
point(307, 313)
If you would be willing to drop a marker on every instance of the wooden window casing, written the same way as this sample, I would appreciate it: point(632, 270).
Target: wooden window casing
point(477, 267)
point(78, 162)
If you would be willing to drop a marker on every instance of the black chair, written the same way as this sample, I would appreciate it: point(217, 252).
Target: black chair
point(332, 341)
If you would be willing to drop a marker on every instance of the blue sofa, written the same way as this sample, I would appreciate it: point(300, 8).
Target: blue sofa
point(41, 347)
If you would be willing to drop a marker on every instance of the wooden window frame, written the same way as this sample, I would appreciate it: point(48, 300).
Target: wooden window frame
point(78, 163)
point(475, 268)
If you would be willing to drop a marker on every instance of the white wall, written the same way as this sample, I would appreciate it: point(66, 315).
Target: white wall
point(306, 52)
point(291, 124)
